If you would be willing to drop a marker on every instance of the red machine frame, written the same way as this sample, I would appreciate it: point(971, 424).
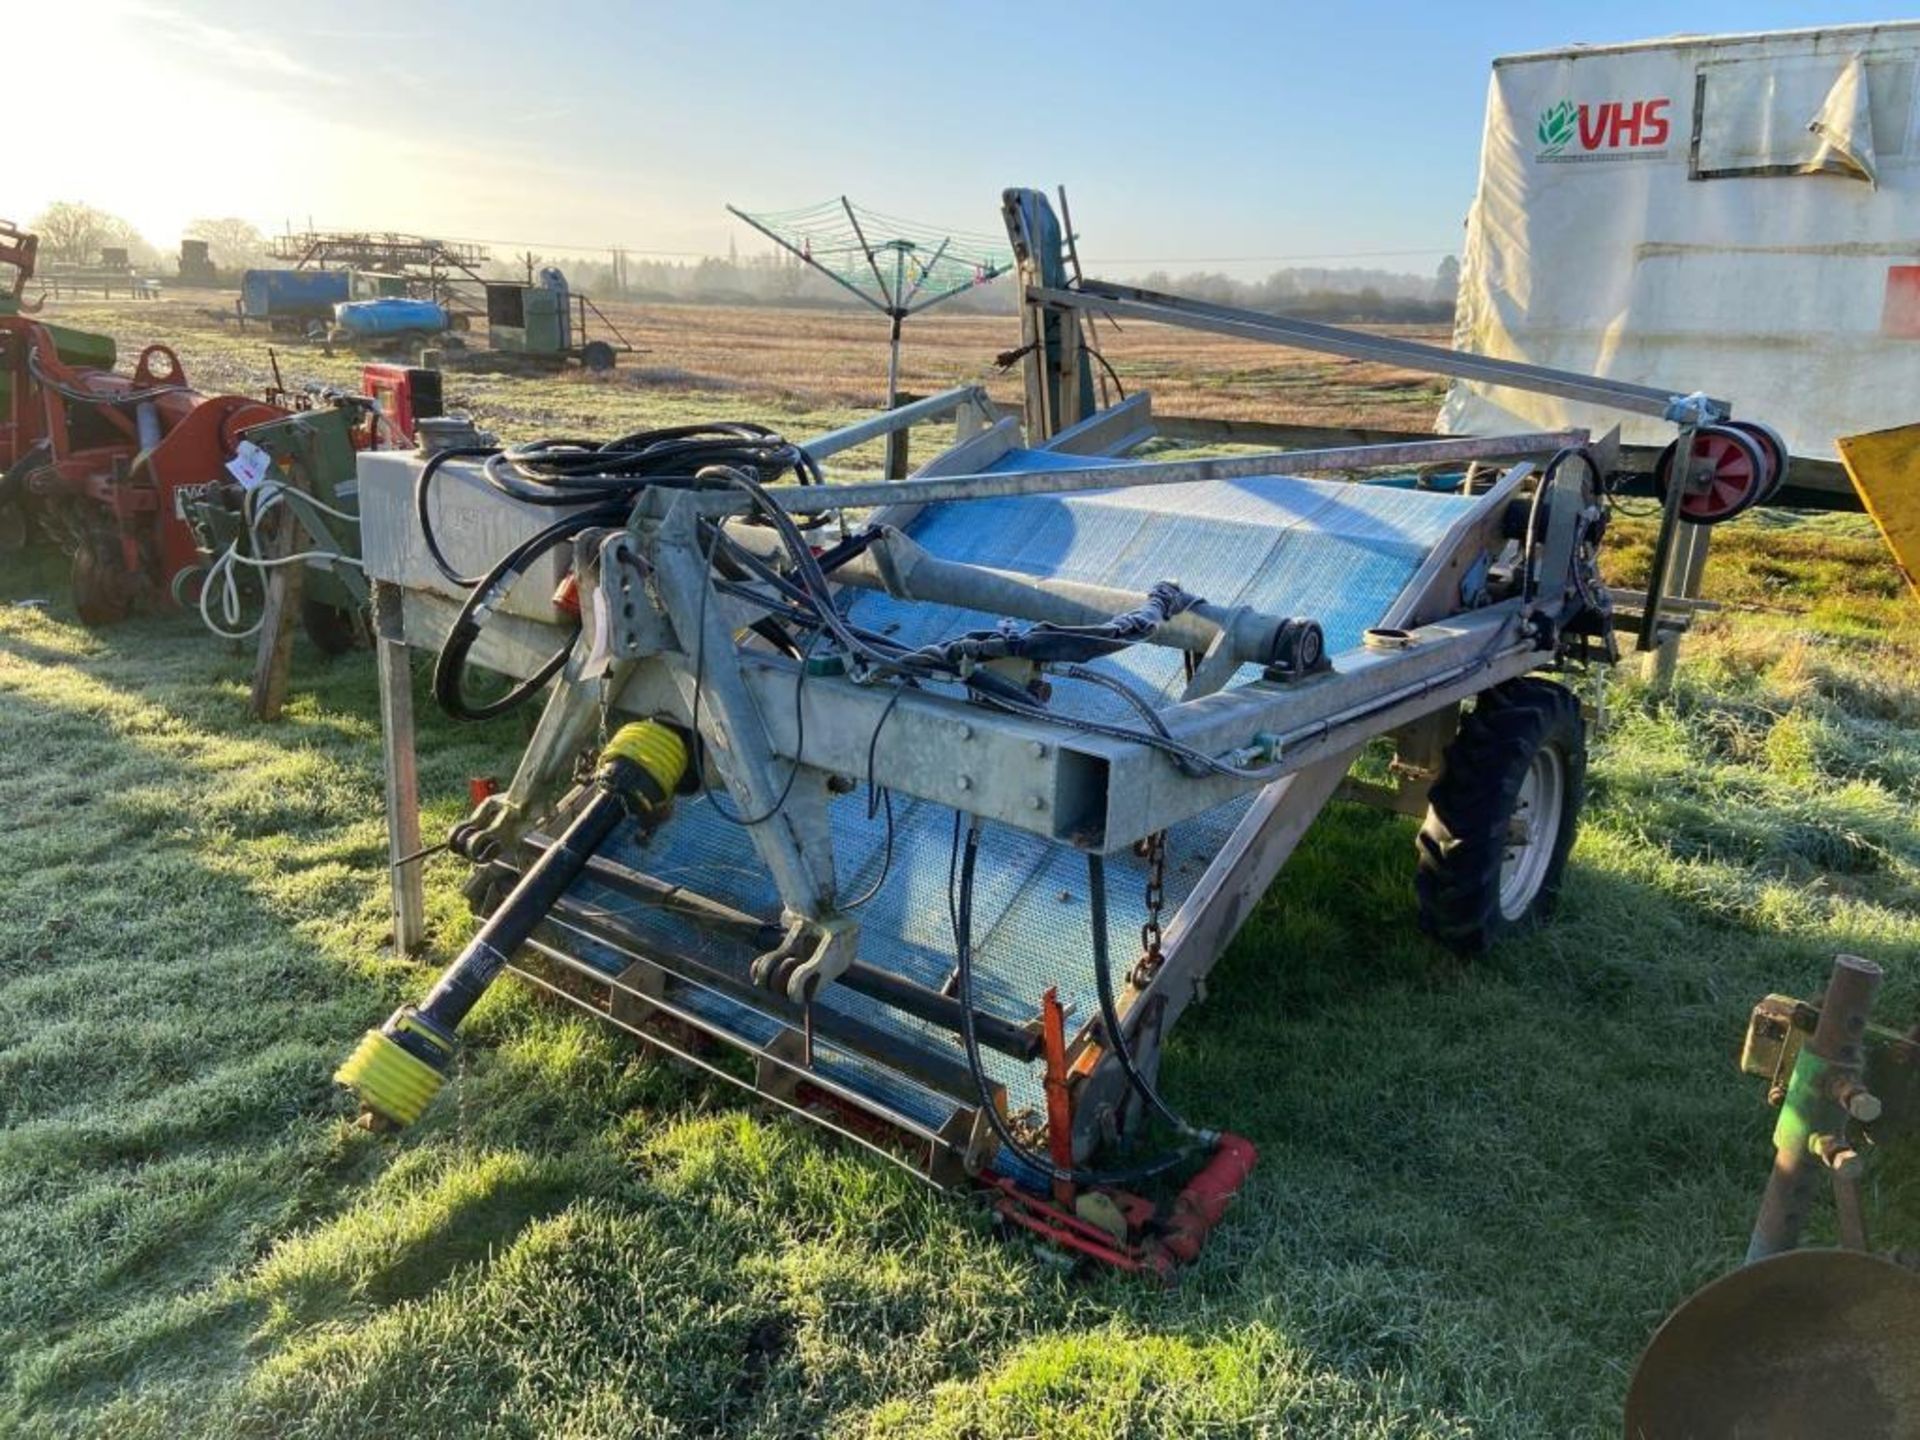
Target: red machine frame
point(103, 456)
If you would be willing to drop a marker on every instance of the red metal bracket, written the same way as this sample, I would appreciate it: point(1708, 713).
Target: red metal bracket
point(1158, 1241)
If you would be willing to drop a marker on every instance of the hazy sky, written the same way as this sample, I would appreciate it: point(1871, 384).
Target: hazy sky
point(1230, 136)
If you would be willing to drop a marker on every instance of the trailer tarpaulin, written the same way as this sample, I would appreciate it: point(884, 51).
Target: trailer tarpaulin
point(1739, 215)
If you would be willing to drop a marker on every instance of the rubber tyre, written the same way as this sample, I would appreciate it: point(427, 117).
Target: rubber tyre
point(333, 630)
point(102, 592)
point(598, 356)
point(1463, 843)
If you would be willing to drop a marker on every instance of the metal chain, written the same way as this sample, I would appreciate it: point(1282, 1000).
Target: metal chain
point(1150, 957)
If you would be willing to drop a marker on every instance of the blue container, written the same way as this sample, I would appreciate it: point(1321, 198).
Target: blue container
point(292, 294)
point(390, 316)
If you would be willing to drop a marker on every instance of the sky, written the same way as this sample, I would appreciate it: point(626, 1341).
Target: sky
point(1239, 137)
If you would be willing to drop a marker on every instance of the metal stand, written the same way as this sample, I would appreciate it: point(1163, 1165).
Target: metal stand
point(1810, 1138)
point(402, 775)
point(821, 246)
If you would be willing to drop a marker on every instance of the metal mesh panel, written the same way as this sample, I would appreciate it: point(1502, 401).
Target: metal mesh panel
point(1337, 552)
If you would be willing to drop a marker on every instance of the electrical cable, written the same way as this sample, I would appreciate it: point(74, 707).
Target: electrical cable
point(875, 797)
point(1110, 1013)
point(1125, 692)
point(963, 963)
point(886, 858)
point(699, 679)
point(222, 579)
point(1106, 365)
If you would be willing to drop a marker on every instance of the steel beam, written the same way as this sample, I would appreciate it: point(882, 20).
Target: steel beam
point(1123, 474)
point(401, 769)
point(887, 422)
point(1140, 304)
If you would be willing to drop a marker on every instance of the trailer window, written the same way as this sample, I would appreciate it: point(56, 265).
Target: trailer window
point(1841, 115)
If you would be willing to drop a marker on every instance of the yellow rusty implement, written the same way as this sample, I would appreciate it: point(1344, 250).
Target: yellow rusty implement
point(1885, 468)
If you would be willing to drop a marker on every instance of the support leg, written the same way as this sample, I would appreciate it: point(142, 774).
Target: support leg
point(402, 775)
point(274, 658)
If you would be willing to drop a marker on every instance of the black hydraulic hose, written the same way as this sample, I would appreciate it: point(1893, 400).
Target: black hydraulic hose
point(450, 668)
point(1110, 1012)
point(422, 489)
point(604, 481)
point(970, 1040)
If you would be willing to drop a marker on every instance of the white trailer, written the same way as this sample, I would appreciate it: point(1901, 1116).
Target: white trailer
point(1740, 213)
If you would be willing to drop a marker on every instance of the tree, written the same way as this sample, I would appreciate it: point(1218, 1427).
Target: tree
point(1446, 280)
point(235, 244)
point(76, 232)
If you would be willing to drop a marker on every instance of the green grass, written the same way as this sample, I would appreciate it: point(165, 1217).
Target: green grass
point(1480, 1185)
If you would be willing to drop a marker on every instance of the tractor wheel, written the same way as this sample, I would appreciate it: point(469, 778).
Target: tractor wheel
point(598, 356)
point(102, 594)
point(1501, 817)
point(333, 630)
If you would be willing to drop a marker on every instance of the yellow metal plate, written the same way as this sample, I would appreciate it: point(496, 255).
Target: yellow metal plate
point(1884, 466)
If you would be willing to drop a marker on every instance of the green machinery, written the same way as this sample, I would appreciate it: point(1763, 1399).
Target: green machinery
point(547, 322)
point(297, 504)
point(1814, 1341)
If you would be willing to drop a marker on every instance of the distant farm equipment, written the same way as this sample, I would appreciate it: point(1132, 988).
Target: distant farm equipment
point(546, 324)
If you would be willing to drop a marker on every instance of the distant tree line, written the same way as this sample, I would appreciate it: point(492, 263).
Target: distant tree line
point(76, 233)
point(1334, 295)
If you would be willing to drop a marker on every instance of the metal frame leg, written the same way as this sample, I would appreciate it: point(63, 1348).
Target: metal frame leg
point(402, 770)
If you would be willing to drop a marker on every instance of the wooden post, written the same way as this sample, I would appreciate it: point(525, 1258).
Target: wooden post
point(275, 654)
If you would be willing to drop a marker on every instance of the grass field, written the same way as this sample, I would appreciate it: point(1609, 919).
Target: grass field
point(1480, 1186)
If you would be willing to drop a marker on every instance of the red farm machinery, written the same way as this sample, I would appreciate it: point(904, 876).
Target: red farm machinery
point(117, 468)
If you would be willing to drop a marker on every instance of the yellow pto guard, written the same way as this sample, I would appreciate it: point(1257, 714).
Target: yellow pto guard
point(1884, 466)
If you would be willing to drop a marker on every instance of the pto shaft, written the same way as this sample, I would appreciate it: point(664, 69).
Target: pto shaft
point(398, 1068)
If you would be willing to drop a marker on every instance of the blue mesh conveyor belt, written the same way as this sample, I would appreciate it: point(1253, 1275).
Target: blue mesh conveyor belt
point(1337, 552)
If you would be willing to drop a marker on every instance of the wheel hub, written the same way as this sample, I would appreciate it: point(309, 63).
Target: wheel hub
point(1531, 832)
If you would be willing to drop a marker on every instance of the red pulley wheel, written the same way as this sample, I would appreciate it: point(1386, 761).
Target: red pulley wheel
point(1733, 467)
point(1773, 450)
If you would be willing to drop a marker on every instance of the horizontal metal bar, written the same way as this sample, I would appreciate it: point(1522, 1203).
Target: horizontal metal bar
point(1021, 1042)
point(821, 499)
point(937, 1070)
point(688, 1056)
point(888, 421)
point(1042, 776)
point(934, 1007)
point(1142, 304)
point(1369, 692)
point(645, 889)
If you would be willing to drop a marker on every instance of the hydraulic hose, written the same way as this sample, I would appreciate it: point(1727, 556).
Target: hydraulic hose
point(398, 1068)
point(1110, 1014)
point(963, 975)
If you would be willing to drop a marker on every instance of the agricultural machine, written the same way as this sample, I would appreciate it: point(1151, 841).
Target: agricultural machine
point(547, 324)
point(937, 799)
point(289, 497)
point(133, 475)
point(1813, 1341)
point(102, 460)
